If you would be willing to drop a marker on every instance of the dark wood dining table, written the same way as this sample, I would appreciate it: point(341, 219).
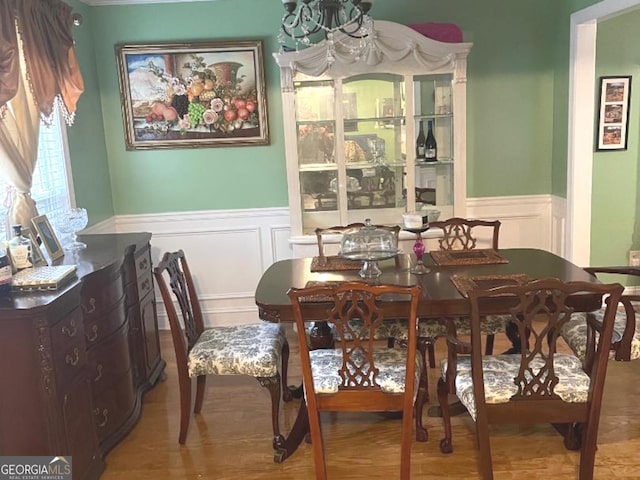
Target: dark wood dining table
point(440, 297)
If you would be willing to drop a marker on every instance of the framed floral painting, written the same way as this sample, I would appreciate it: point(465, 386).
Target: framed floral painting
point(186, 95)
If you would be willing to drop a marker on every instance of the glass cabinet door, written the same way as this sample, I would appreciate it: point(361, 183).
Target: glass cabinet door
point(434, 107)
point(351, 146)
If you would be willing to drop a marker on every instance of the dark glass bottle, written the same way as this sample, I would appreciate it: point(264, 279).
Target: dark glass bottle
point(420, 143)
point(430, 145)
point(5, 273)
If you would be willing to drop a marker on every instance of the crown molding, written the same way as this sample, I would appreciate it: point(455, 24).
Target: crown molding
point(101, 3)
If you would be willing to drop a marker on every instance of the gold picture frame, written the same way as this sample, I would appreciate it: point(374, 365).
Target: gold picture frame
point(189, 95)
point(48, 236)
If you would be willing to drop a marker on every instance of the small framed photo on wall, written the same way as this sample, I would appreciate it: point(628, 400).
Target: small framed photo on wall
point(613, 118)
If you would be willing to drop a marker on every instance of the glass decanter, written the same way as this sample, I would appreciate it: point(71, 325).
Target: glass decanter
point(74, 220)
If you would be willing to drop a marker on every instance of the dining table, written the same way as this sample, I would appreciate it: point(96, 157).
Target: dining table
point(444, 291)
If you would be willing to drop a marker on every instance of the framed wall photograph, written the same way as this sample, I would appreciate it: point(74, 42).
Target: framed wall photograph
point(48, 236)
point(186, 95)
point(613, 118)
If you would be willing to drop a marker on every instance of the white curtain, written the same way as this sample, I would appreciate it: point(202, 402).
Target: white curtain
point(19, 131)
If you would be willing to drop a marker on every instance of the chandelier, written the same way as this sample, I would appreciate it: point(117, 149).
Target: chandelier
point(309, 21)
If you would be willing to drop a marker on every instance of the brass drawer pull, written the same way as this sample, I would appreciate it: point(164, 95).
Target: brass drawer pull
point(91, 308)
point(104, 414)
point(94, 333)
point(98, 377)
point(143, 264)
point(70, 330)
point(73, 360)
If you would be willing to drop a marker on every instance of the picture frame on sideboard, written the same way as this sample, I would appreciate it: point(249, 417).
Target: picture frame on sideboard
point(48, 236)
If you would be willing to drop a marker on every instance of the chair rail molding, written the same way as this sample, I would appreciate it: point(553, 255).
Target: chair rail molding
point(229, 250)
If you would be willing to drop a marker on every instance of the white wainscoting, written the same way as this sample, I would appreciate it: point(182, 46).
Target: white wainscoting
point(229, 249)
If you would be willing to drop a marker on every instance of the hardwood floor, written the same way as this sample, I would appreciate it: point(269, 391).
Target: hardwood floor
point(231, 439)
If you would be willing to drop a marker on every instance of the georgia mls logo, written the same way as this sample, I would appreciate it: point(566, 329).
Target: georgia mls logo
point(35, 468)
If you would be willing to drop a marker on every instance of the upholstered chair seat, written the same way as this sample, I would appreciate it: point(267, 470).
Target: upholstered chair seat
point(574, 332)
point(253, 350)
point(500, 370)
point(390, 362)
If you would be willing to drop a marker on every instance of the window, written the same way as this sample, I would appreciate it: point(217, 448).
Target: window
point(51, 187)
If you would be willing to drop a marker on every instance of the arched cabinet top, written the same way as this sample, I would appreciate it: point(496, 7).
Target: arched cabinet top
point(391, 45)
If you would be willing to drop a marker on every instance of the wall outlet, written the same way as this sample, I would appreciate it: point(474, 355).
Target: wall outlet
point(634, 258)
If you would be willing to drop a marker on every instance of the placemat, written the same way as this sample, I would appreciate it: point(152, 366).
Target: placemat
point(334, 263)
point(319, 298)
point(467, 257)
point(465, 284)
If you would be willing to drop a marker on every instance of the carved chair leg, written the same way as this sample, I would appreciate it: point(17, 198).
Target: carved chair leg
point(273, 385)
point(185, 405)
point(200, 387)
point(589, 437)
point(391, 341)
point(287, 396)
point(432, 354)
point(422, 435)
point(446, 445)
point(423, 345)
point(484, 447)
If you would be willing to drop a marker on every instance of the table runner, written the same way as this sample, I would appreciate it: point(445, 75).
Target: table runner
point(334, 263)
point(465, 284)
point(467, 257)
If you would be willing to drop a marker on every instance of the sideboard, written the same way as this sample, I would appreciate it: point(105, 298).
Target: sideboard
point(75, 362)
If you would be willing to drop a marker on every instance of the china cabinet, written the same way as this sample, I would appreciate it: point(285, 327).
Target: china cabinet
point(352, 110)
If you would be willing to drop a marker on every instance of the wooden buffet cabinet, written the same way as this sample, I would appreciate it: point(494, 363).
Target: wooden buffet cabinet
point(75, 362)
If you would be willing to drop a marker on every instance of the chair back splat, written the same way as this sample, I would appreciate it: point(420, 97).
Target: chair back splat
point(358, 375)
point(463, 233)
point(540, 384)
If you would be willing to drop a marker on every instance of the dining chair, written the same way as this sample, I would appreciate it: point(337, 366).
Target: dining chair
point(626, 330)
point(390, 329)
point(358, 376)
point(460, 234)
point(539, 384)
point(258, 350)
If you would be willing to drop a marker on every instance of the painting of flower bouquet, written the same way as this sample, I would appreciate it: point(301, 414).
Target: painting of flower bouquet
point(193, 95)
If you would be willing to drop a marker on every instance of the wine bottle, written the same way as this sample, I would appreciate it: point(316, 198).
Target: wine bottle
point(20, 249)
point(420, 144)
point(430, 145)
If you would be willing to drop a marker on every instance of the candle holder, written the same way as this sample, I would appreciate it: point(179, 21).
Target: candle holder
point(418, 249)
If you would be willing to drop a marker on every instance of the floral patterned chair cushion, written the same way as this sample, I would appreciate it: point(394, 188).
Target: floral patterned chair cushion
point(252, 350)
point(391, 363)
point(490, 325)
point(499, 374)
point(574, 332)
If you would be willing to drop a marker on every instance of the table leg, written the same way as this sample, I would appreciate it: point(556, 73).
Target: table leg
point(297, 434)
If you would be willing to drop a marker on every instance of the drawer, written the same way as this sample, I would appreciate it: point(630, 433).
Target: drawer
point(113, 406)
point(98, 328)
point(101, 291)
point(69, 351)
point(109, 360)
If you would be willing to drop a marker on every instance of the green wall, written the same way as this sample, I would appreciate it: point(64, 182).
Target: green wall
point(88, 152)
point(615, 173)
point(510, 104)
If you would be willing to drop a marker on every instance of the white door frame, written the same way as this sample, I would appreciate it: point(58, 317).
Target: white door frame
point(582, 71)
